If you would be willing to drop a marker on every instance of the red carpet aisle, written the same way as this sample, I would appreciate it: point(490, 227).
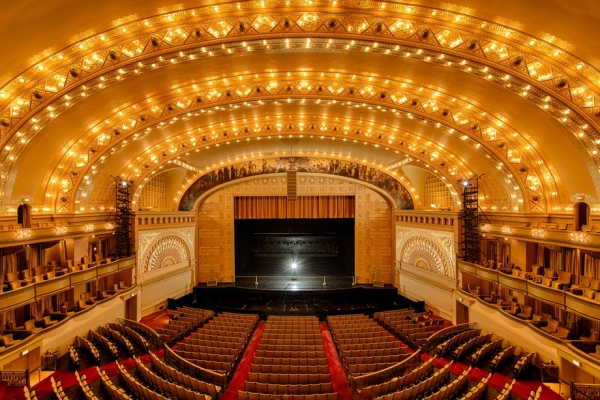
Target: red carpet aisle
point(338, 375)
point(243, 368)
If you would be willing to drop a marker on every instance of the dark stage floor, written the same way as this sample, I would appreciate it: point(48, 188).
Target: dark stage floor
point(297, 283)
point(300, 296)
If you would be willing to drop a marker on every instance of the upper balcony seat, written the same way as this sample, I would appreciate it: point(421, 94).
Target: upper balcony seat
point(552, 326)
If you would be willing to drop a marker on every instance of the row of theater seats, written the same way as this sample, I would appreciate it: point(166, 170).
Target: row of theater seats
point(136, 388)
point(417, 374)
point(90, 347)
point(183, 321)
point(422, 388)
point(58, 389)
point(412, 328)
point(295, 370)
point(164, 386)
point(126, 332)
point(174, 375)
point(114, 391)
point(104, 342)
point(87, 391)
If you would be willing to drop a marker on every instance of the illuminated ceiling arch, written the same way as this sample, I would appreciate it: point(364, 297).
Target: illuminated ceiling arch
point(456, 94)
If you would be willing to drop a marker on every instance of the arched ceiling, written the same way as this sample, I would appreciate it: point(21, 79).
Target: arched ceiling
point(503, 90)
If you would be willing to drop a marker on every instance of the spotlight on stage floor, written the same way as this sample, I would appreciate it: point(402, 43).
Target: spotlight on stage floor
point(294, 267)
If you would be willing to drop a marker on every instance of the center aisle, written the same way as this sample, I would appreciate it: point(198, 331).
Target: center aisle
point(243, 368)
point(336, 370)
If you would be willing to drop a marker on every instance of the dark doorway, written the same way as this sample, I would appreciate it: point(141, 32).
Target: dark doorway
point(582, 215)
point(300, 247)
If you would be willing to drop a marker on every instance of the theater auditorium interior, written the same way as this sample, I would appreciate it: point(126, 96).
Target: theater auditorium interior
point(300, 199)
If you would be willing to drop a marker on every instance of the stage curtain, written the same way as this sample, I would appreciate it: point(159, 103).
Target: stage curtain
point(277, 207)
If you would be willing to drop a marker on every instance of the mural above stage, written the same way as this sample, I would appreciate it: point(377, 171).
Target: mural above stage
point(348, 169)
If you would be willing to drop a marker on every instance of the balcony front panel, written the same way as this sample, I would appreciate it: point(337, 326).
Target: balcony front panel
point(546, 294)
point(583, 306)
point(84, 276)
point(512, 282)
point(467, 267)
point(127, 263)
point(487, 274)
point(107, 269)
point(52, 286)
point(17, 297)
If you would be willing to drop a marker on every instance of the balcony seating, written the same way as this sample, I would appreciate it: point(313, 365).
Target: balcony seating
point(39, 270)
point(564, 279)
point(562, 333)
point(45, 322)
point(589, 293)
point(539, 320)
point(81, 305)
point(492, 298)
point(7, 340)
point(513, 309)
point(552, 326)
point(526, 312)
point(594, 336)
point(474, 289)
point(597, 353)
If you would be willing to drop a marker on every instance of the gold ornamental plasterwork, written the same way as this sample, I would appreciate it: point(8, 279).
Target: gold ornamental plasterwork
point(428, 249)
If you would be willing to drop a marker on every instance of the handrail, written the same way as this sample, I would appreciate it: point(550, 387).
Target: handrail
point(372, 378)
point(584, 391)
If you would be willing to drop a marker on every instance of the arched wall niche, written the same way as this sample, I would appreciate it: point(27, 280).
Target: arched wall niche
point(374, 222)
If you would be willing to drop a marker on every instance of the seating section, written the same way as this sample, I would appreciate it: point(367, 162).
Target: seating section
point(412, 328)
point(457, 340)
point(106, 343)
point(109, 386)
point(58, 389)
point(164, 386)
point(87, 391)
point(290, 360)
point(219, 344)
point(89, 347)
point(501, 357)
point(136, 387)
point(174, 375)
point(410, 378)
point(363, 345)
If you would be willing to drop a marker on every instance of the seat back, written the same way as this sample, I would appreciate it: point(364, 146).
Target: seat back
point(549, 273)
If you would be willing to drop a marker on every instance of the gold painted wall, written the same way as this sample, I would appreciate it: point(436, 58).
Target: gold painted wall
point(374, 223)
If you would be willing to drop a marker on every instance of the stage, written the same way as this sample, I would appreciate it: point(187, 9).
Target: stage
point(296, 296)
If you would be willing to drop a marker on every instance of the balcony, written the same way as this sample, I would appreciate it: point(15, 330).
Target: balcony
point(35, 291)
point(560, 298)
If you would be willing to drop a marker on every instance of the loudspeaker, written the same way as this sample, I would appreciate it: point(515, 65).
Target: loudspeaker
point(292, 185)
